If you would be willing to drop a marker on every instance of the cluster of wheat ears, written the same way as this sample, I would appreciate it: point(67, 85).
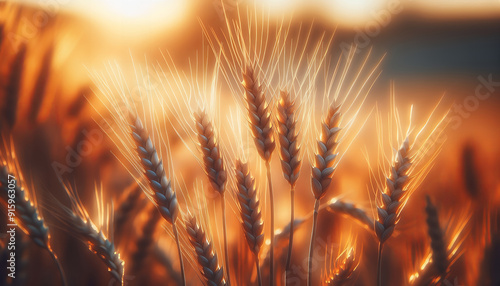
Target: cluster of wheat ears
point(276, 92)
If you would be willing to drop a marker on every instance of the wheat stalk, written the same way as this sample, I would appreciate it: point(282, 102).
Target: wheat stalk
point(392, 198)
point(289, 154)
point(163, 195)
point(27, 217)
point(349, 209)
point(344, 270)
point(259, 117)
point(214, 168)
point(323, 169)
point(206, 256)
point(250, 211)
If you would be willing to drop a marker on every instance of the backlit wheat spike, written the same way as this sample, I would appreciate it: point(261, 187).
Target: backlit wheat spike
point(212, 158)
point(125, 208)
point(323, 169)
point(27, 216)
point(289, 153)
point(205, 254)
point(259, 117)
point(392, 200)
point(82, 227)
point(259, 114)
point(251, 216)
point(250, 207)
point(287, 133)
point(214, 168)
point(323, 165)
point(389, 210)
point(163, 194)
point(438, 246)
point(343, 273)
point(350, 210)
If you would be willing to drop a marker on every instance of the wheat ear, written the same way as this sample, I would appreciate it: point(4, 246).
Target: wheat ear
point(27, 216)
point(349, 209)
point(163, 195)
point(83, 228)
point(250, 211)
point(343, 273)
point(438, 246)
point(323, 169)
point(289, 154)
point(389, 210)
point(214, 168)
point(259, 117)
point(205, 254)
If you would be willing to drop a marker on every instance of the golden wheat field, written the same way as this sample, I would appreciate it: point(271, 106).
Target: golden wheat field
point(249, 142)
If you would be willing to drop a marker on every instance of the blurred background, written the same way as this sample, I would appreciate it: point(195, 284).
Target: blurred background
point(432, 50)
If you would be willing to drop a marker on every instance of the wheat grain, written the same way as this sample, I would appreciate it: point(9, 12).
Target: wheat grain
point(206, 256)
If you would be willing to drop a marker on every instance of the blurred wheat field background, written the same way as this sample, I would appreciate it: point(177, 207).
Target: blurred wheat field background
point(168, 138)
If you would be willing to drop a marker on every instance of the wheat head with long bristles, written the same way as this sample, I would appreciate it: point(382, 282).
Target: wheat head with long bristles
point(27, 215)
point(212, 158)
point(287, 133)
point(251, 216)
point(163, 194)
point(259, 114)
point(205, 254)
point(389, 210)
point(323, 165)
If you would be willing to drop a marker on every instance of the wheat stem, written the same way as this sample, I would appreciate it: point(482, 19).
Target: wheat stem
point(257, 264)
point(271, 201)
point(379, 264)
point(59, 267)
point(224, 227)
point(311, 246)
point(179, 252)
point(290, 241)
